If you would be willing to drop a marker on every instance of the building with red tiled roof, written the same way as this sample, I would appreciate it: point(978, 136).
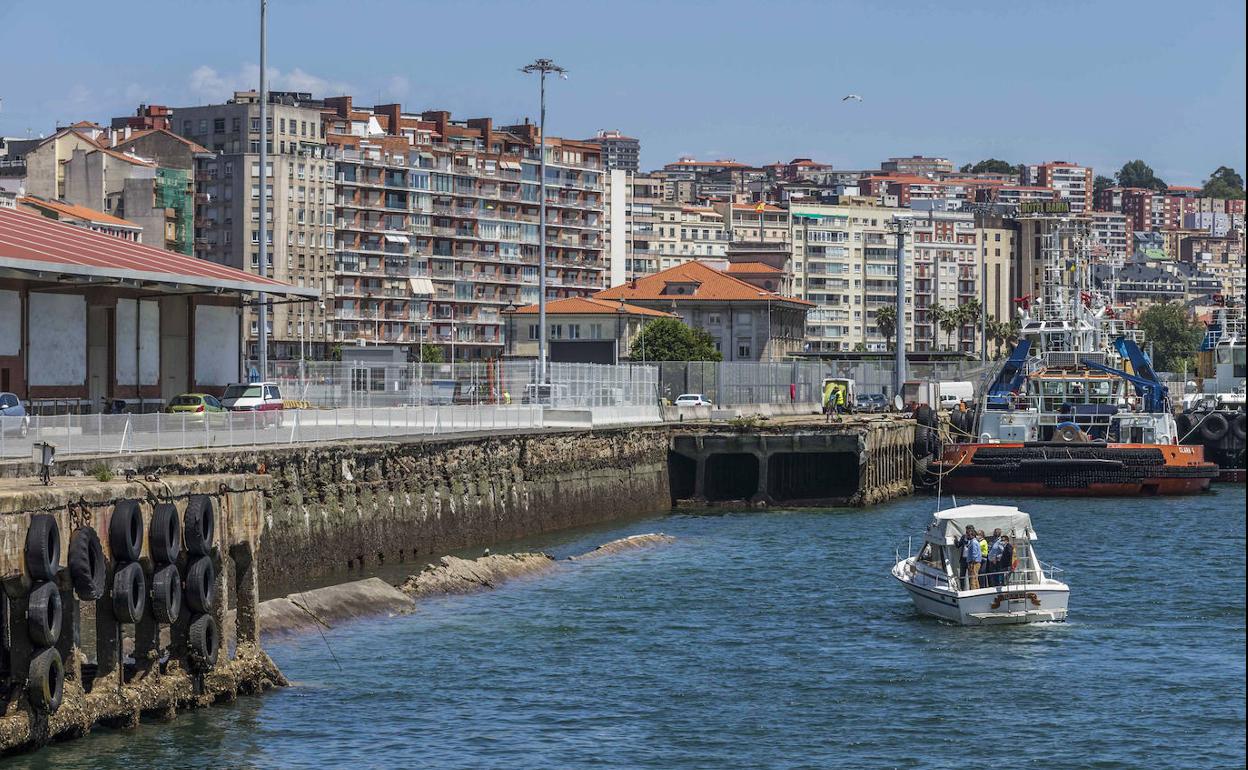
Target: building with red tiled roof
point(83, 217)
point(746, 322)
point(581, 329)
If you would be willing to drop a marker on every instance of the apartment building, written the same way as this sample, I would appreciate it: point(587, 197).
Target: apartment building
point(618, 151)
point(1071, 182)
point(45, 162)
point(1111, 236)
point(298, 185)
point(998, 239)
point(685, 233)
point(695, 181)
point(918, 165)
point(631, 224)
point(1013, 194)
point(1222, 257)
point(81, 216)
point(437, 225)
point(947, 268)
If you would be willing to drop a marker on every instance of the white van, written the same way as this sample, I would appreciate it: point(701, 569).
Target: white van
point(953, 392)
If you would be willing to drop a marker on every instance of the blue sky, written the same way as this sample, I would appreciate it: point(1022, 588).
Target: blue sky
point(1092, 82)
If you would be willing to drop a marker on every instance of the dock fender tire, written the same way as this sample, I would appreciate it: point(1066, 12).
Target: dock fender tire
point(166, 594)
point(199, 525)
point(205, 642)
point(164, 537)
point(201, 584)
point(1214, 427)
point(924, 415)
point(129, 593)
point(43, 547)
point(1238, 425)
point(1183, 422)
point(43, 615)
point(45, 684)
point(125, 531)
point(87, 569)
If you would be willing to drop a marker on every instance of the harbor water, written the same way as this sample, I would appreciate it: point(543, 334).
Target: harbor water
point(766, 639)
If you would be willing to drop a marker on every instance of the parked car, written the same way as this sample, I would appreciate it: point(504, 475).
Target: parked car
point(873, 403)
point(198, 406)
point(692, 399)
point(13, 418)
point(255, 397)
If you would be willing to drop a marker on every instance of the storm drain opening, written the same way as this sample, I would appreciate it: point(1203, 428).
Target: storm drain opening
point(731, 477)
point(682, 473)
point(793, 476)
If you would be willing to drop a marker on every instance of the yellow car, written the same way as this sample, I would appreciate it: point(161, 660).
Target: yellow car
point(197, 406)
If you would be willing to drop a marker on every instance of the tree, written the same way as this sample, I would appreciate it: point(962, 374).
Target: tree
point(1011, 332)
point(1224, 183)
point(1100, 183)
point(936, 315)
point(667, 339)
point(950, 321)
point(1137, 173)
point(886, 323)
point(430, 354)
point(1173, 334)
point(995, 331)
point(990, 166)
point(970, 313)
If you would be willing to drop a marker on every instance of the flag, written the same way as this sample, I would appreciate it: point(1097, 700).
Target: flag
point(760, 207)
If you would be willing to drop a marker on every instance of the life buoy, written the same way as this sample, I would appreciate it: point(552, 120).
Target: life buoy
point(205, 641)
point(201, 584)
point(87, 569)
point(199, 525)
point(1214, 427)
point(164, 537)
point(1238, 427)
point(129, 594)
point(45, 684)
point(125, 531)
point(43, 615)
point(43, 547)
point(167, 594)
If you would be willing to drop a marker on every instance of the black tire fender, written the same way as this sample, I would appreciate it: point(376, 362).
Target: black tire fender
point(924, 415)
point(201, 584)
point(125, 531)
point(1214, 426)
point(45, 685)
point(166, 594)
point(1238, 426)
point(129, 593)
point(164, 537)
point(1183, 423)
point(43, 547)
point(199, 525)
point(87, 568)
point(205, 642)
point(43, 615)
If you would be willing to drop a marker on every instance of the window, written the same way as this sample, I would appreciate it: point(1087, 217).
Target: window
point(532, 331)
point(281, 126)
point(743, 347)
point(203, 125)
point(574, 331)
point(218, 125)
point(236, 124)
point(255, 124)
point(188, 126)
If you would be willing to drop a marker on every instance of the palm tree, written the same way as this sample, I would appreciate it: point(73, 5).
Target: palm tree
point(995, 331)
point(886, 323)
point(950, 322)
point(970, 313)
point(936, 315)
point(1012, 331)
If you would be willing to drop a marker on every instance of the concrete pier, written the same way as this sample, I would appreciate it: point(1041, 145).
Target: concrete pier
point(115, 669)
point(859, 461)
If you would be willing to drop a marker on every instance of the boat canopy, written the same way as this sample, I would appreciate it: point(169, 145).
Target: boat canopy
point(948, 525)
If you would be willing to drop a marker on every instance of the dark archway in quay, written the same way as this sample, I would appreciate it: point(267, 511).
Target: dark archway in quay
point(798, 476)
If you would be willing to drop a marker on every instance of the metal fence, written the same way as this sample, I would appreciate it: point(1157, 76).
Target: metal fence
point(333, 384)
point(123, 433)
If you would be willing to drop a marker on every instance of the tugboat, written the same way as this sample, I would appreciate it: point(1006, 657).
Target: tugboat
point(1213, 415)
point(1023, 591)
point(1077, 408)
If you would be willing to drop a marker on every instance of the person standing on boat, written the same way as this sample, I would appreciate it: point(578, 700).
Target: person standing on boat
point(1007, 559)
point(996, 568)
point(972, 556)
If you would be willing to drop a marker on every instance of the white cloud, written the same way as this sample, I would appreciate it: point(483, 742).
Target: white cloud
point(209, 85)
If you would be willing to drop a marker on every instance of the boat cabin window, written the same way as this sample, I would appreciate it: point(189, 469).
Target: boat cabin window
point(1054, 394)
point(1101, 392)
point(932, 556)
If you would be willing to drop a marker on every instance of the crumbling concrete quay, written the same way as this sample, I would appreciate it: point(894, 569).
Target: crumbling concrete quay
point(859, 461)
point(124, 599)
point(358, 504)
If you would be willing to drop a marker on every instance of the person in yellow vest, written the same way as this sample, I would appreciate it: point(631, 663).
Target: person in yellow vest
point(507, 398)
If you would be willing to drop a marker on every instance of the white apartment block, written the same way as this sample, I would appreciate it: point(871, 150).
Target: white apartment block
point(685, 233)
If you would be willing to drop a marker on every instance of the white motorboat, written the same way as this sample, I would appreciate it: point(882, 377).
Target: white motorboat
point(1024, 591)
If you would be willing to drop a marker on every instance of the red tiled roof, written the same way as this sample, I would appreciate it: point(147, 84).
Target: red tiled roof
point(194, 147)
point(34, 243)
point(126, 157)
point(754, 268)
point(591, 306)
point(78, 212)
point(719, 163)
point(712, 286)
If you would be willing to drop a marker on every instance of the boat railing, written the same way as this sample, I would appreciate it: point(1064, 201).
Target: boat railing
point(1016, 577)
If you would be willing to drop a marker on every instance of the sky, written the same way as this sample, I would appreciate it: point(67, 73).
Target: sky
point(1098, 83)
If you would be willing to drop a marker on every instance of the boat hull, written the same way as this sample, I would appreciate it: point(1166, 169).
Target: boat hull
point(1007, 605)
point(1084, 470)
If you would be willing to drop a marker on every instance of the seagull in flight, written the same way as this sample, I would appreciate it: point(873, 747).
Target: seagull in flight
point(854, 97)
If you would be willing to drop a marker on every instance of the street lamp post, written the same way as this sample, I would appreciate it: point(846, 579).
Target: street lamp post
point(262, 346)
point(542, 67)
point(899, 226)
